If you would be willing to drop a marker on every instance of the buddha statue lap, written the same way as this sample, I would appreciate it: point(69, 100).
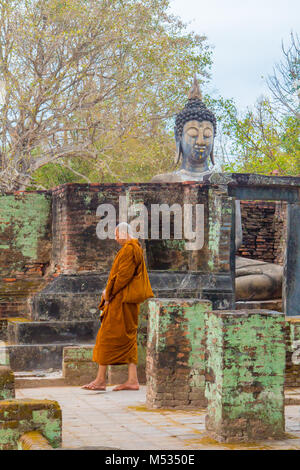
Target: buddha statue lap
point(195, 130)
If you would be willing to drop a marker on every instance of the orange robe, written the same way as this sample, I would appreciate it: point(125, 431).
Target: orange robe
point(116, 341)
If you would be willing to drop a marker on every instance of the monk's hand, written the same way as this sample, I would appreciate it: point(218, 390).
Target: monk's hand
point(106, 302)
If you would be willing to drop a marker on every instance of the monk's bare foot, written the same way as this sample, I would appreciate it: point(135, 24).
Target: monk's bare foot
point(126, 386)
point(95, 386)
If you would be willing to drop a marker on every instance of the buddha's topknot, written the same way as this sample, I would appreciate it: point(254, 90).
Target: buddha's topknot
point(195, 109)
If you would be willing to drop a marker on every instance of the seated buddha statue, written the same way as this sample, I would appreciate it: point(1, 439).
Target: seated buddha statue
point(195, 131)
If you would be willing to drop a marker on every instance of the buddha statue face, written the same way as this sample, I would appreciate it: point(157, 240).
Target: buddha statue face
point(196, 145)
point(195, 129)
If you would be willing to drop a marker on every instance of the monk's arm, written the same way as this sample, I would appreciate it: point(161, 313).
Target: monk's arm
point(125, 273)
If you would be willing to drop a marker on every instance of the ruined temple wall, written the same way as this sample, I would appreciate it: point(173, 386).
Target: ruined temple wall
point(25, 247)
point(53, 232)
point(264, 230)
point(76, 247)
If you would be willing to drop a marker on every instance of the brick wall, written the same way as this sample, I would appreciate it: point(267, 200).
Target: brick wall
point(25, 247)
point(245, 365)
point(264, 230)
point(76, 247)
point(52, 232)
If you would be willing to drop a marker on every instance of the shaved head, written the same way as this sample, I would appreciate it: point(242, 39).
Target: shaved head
point(124, 230)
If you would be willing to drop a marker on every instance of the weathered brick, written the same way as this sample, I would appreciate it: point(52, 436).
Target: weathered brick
point(183, 321)
point(21, 416)
point(245, 365)
point(78, 354)
point(7, 383)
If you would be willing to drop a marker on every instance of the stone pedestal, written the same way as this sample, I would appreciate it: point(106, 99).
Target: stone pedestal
point(78, 367)
point(176, 353)
point(7, 383)
point(245, 366)
point(21, 416)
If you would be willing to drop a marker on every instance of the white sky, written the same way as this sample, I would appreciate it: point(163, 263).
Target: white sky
point(246, 35)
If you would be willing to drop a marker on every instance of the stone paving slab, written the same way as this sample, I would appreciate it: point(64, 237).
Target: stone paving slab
point(120, 420)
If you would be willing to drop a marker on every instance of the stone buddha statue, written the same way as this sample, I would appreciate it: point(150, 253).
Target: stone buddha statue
point(195, 130)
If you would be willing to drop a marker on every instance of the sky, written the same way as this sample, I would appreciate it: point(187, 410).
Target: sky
point(246, 36)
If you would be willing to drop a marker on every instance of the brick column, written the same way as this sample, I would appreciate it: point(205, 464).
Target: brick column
point(18, 417)
point(176, 353)
point(292, 370)
point(291, 292)
point(7, 383)
point(245, 365)
point(78, 366)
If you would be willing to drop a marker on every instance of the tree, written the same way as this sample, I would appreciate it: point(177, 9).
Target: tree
point(284, 84)
point(89, 85)
point(265, 142)
point(266, 137)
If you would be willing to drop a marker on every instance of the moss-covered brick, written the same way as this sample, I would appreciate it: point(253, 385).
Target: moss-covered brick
point(21, 416)
point(78, 366)
point(245, 367)
point(4, 356)
point(78, 354)
point(176, 353)
point(220, 221)
point(7, 383)
point(25, 229)
point(292, 372)
point(79, 373)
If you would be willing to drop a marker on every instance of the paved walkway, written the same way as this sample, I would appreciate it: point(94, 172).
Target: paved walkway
point(120, 420)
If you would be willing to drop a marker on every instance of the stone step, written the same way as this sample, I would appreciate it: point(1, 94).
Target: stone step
point(76, 297)
point(39, 379)
point(275, 304)
point(44, 332)
point(3, 325)
point(29, 357)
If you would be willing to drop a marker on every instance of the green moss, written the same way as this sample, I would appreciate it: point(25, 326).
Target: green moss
point(246, 361)
point(78, 354)
point(24, 221)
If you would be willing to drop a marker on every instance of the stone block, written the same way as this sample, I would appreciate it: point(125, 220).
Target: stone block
point(78, 367)
point(25, 357)
point(292, 371)
point(117, 374)
point(43, 332)
point(245, 364)
point(176, 353)
point(4, 355)
point(79, 373)
point(18, 417)
point(78, 354)
point(7, 383)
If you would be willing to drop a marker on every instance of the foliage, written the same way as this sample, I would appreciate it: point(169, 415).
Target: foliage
point(284, 84)
point(89, 87)
point(266, 138)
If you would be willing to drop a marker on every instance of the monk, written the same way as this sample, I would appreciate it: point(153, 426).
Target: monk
point(127, 286)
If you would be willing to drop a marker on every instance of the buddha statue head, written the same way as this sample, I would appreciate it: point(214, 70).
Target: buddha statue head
point(195, 130)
